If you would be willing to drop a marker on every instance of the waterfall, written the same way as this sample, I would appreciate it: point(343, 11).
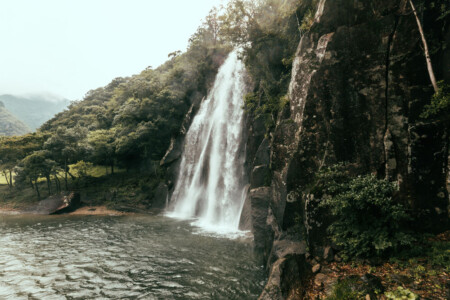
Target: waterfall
point(211, 185)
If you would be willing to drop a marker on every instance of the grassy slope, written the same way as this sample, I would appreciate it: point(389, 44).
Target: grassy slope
point(121, 190)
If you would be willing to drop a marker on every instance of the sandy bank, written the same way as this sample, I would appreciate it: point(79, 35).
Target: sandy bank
point(82, 211)
point(98, 211)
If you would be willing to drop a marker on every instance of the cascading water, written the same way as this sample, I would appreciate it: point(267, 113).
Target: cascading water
point(211, 185)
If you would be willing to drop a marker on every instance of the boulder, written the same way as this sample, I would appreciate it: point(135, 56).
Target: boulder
point(56, 204)
point(287, 278)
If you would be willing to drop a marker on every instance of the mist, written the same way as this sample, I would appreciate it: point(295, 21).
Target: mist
point(66, 48)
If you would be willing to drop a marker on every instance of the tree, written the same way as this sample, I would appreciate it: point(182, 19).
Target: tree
point(8, 161)
point(66, 147)
point(425, 49)
point(13, 149)
point(38, 165)
point(103, 147)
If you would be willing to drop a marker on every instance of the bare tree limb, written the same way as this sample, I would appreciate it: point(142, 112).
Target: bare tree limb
point(425, 49)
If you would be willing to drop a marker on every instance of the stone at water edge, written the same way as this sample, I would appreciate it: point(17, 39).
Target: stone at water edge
point(56, 204)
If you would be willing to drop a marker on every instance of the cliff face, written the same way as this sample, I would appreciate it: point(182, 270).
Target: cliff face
point(359, 84)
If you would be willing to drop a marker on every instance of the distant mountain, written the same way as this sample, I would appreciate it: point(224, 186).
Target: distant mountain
point(34, 110)
point(10, 124)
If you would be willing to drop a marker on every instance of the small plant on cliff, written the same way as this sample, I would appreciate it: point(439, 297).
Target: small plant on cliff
point(439, 108)
point(307, 21)
point(368, 222)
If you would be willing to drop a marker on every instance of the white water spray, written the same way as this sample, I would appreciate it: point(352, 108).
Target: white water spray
point(211, 186)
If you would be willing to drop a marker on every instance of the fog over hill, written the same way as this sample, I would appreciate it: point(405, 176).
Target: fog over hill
point(34, 110)
point(10, 124)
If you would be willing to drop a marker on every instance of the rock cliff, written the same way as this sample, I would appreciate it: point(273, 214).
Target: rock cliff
point(359, 83)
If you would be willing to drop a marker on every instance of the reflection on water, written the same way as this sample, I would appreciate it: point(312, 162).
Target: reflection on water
point(139, 257)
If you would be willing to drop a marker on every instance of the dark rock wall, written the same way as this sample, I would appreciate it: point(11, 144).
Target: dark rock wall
point(359, 84)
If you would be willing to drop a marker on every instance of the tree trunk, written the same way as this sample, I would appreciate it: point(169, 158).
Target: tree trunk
point(49, 184)
point(425, 49)
point(36, 185)
point(71, 175)
point(57, 183)
point(65, 174)
point(6, 177)
point(10, 178)
point(112, 168)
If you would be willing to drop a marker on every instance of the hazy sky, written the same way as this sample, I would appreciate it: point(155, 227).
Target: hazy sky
point(68, 47)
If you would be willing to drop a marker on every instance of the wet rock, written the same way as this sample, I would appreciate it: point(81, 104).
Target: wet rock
point(260, 176)
point(161, 196)
point(286, 278)
point(259, 199)
point(245, 223)
point(56, 204)
point(174, 152)
point(171, 159)
point(262, 156)
point(284, 247)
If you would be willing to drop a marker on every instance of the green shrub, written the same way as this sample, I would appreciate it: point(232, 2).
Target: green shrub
point(343, 291)
point(439, 108)
point(368, 222)
point(401, 293)
point(308, 21)
point(439, 254)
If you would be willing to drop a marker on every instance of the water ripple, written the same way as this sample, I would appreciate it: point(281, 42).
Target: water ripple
point(144, 257)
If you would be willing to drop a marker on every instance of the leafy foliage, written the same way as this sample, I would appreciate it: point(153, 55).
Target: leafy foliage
point(368, 222)
point(401, 293)
point(439, 108)
point(343, 291)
